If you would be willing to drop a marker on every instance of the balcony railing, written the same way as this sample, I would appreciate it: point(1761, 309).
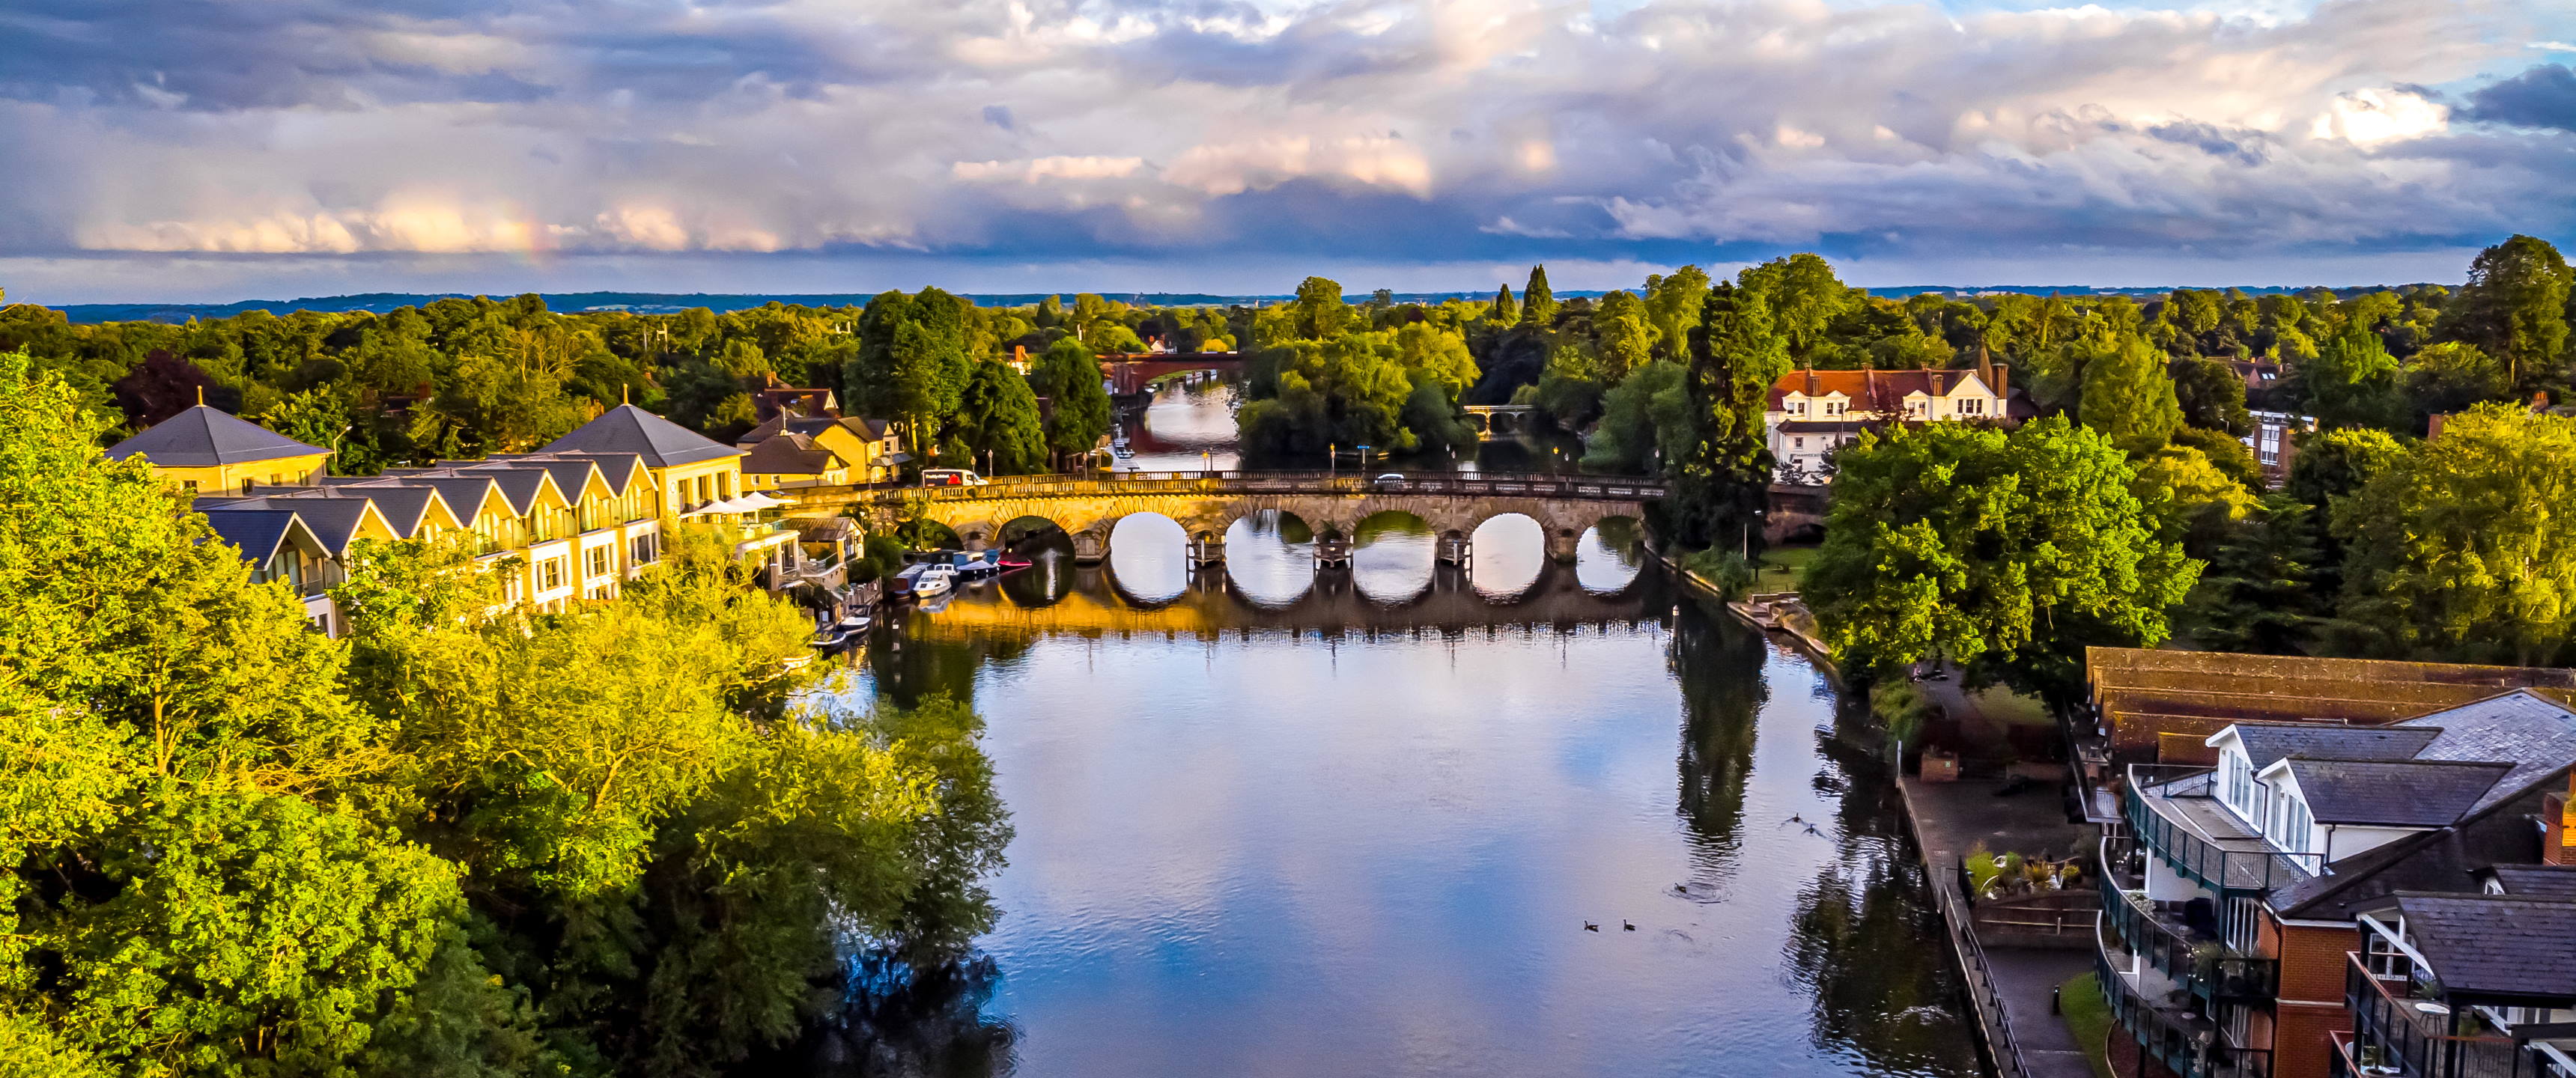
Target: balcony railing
point(2200, 961)
point(2185, 1041)
point(2414, 1036)
point(2224, 863)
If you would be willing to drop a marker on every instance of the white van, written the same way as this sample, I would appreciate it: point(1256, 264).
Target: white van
point(952, 477)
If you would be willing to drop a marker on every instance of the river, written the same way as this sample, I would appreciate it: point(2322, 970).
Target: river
point(1276, 822)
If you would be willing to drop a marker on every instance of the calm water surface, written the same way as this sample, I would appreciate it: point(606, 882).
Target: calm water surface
point(1271, 822)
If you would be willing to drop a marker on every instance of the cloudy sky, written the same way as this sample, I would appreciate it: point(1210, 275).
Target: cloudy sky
point(228, 149)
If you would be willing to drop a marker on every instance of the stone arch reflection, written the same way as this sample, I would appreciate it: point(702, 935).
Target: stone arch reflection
point(1149, 558)
point(1612, 554)
point(1270, 557)
point(1510, 554)
point(1392, 556)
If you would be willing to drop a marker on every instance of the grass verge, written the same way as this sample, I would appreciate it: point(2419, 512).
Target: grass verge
point(2088, 1017)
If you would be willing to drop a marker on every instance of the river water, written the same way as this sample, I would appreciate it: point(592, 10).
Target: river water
point(1277, 822)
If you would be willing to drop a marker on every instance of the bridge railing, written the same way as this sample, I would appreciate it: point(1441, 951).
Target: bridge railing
point(1467, 484)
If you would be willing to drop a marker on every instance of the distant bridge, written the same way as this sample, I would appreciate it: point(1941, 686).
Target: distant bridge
point(1495, 421)
point(1205, 504)
point(1127, 372)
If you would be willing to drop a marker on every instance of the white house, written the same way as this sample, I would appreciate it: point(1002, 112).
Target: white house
point(1813, 412)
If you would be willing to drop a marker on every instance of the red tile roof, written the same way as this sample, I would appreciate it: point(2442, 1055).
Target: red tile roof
point(1873, 391)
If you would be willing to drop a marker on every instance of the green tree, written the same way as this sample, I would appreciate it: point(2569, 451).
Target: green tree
point(1318, 309)
point(1079, 409)
point(1621, 335)
point(2515, 308)
point(2260, 594)
point(2212, 396)
point(1538, 303)
point(911, 363)
point(1672, 308)
point(2007, 552)
point(1724, 482)
point(1804, 297)
point(1505, 311)
point(2452, 375)
point(2128, 397)
point(2352, 382)
point(997, 418)
point(2460, 549)
point(1645, 422)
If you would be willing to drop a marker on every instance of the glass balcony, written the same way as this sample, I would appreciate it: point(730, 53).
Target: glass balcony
point(2159, 935)
point(2396, 1034)
point(2185, 1041)
point(2174, 812)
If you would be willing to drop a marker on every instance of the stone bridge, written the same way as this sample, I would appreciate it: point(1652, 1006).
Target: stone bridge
point(1207, 503)
point(1127, 372)
point(1796, 514)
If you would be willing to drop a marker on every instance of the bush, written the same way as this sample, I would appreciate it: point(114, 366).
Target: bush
point(1902, 708)
point(1725, 570)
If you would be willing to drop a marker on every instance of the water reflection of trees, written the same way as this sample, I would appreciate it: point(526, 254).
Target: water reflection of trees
point(1859, 941)
point(910, 663)
point(1719, 664)
point(899, 1021)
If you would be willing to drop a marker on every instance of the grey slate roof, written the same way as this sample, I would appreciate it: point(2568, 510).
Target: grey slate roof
point(205, 436)
point(571, 473)
point(2268, 742)
point(629, 429)
point(520, 485)
point(2549, 881)
point(788, 454)
point(2394, 793)
point(2496, 945)
point(2536, 734)
point(404, 505)
point(256, 532)
point(334, 521)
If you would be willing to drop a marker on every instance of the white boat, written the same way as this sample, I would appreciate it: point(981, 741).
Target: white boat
point(934, 580)
point(857, 622)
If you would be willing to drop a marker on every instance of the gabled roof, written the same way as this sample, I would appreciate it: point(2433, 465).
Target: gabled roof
point(405, 506)
point(573, 475)
point(466, 494)
point(1873, 390)
point(2266, 743)
point(523, 486)
point(2521, 946)
point(336, 522)
point(256, 532)
point(629, 429)
point(2393, 793)
point(2536, 734)
point(204, 437)
point(866, 430)
point(790, 454)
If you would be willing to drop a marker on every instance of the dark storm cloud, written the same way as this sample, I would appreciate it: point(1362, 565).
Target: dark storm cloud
point(2544, 96)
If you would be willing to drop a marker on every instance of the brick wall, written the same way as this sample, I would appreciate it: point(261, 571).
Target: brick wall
point(2311, 1001)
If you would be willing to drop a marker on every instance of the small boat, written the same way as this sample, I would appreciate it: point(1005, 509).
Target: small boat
point(1013, 565)
point(829, 638)
point(857, 622)
point(795, 662)
point(920, 581)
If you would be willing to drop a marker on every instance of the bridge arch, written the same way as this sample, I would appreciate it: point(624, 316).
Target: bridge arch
point(1140, 575)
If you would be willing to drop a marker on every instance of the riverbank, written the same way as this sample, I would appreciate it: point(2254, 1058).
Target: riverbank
point(2012, 979)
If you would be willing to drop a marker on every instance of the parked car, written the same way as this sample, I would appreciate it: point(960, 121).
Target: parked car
point(1390, 479)
point(952, 477)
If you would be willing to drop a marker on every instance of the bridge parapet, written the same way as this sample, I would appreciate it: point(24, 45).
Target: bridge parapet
point(1207, 503)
